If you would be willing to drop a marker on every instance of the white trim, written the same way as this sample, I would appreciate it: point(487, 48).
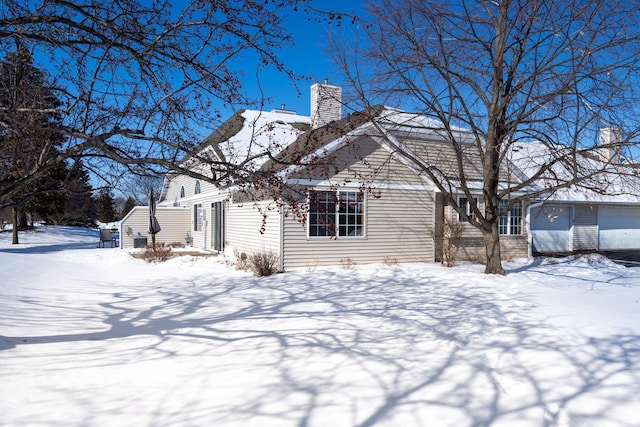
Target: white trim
point(364, 226)
point(334, 184)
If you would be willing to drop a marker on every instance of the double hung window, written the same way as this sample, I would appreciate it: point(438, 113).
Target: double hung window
point(465, 205)
point(336, 214)
point(511, 222)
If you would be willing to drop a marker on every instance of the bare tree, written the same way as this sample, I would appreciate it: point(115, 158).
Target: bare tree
point(139, 80)
point(506, 71)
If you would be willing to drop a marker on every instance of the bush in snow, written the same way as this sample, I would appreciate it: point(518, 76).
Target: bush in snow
point(264, 263)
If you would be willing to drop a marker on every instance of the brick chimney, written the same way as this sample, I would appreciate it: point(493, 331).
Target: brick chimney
point(609, 147)
point(326, 104)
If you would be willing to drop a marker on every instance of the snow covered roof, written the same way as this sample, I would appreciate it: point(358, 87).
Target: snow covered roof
point(249, 134)
point(610, 182)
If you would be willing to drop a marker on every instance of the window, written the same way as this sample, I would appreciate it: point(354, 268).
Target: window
point(464, 204)
point(334, 214)
point(197, 217)
point(197, 188)
point(511, 222)
point(182, 191)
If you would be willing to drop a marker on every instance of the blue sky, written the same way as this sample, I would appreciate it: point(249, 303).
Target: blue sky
point(306, 57)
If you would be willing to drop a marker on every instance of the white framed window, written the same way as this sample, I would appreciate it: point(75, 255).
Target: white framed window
point(511, 222)
point(182, 191)
point(196, 189)
point(197, 217)
point(465, 205)
point(336, 214)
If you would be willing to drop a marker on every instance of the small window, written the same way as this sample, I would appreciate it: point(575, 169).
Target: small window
point(334, 214)
point(464, 204)
point(511, 222)
point(196, 190)
point(182, 191)
point(197, 217)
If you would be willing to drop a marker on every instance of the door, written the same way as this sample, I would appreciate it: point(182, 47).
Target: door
point(217, 226)
point(619, 227)
point(551, 229)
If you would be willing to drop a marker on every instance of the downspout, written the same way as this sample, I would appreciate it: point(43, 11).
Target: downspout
point(281, 262)
point(529, 233)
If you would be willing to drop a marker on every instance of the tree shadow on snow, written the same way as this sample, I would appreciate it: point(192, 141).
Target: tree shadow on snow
point(384, 349)
point(67, 238)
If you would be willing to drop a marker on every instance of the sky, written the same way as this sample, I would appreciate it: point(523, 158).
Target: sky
point(307, 57)
point(92, 337)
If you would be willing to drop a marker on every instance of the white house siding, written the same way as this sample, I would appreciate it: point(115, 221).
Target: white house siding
point(173, 221)
point(398, 226)
point(172, 196)
point(585, 227)
point(244, 231)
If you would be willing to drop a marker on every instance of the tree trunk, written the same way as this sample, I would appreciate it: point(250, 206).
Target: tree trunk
point(14, 219)
point(492, 245)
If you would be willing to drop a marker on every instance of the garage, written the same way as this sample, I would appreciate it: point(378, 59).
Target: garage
point(619, 227)
point(551, 229)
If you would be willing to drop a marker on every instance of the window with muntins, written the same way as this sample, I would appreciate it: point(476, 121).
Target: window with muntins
point(511, 223)
point(197, 214)
point(464, 204)
point(336, 214)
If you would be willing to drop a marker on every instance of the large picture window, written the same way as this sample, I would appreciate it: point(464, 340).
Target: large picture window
point(336, 214)
point(511, 223)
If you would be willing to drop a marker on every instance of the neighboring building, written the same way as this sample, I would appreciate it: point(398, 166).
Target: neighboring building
point(603, 213)
point(364, 199)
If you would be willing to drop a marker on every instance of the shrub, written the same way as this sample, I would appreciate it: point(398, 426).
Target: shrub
point(161, 253)
point(264, 263)
point(390, 261)
point(451, 241)
point(348, 263)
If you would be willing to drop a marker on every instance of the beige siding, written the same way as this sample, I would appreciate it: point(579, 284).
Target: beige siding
point(472, 246)
point(173, 221)
point(361, 161)
point(247, 233)
point(399, 225)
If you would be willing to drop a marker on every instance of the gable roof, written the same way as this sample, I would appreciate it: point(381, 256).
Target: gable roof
point(415, 140)
point(250, 133)
point(611, 182)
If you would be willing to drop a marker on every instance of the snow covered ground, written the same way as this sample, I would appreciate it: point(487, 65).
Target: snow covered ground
point(94, 337)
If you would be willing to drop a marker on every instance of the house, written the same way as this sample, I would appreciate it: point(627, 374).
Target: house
point(602, 213)
point(356, 190)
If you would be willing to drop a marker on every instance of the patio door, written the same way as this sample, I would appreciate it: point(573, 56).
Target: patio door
point(217, 226)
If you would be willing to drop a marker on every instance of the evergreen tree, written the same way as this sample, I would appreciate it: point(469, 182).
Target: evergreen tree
point(128, 205)
point(79, 204)
point(27, 136)
point(104, 206)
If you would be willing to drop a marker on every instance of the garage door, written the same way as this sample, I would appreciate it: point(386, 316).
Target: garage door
point(550, 229)
point(619, 228)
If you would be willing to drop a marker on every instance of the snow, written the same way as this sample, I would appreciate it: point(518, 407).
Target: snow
point(613, 183)
point(262, 131)
point(95, 337)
